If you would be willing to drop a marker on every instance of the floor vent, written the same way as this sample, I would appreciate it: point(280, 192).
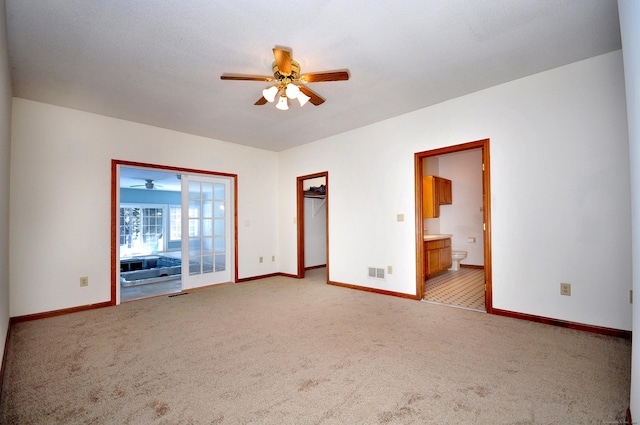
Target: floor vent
point(177, 295)
point(376, 273)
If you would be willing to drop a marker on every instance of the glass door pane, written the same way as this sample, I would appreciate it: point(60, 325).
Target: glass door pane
point(208, 224)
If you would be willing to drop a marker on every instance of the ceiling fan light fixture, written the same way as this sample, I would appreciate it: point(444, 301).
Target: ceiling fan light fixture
point(282, 103)
point(292, 91)
point(270, 93)
point(286, 71)
point(303, 99)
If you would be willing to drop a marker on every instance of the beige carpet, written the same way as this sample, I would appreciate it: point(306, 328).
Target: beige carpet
point(285, 351)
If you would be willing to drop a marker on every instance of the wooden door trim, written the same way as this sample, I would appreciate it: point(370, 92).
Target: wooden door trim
point(300, 218)
point(115, 184)
point(486, 203)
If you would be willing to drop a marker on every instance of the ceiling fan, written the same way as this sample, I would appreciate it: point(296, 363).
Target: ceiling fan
point(149, 184)
point(289, 81)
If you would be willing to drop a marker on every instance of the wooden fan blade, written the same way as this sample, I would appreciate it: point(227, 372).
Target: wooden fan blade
point(283, 60)
point(261, 101)
point(315, 98)
point(240, 77)
point(319, 77)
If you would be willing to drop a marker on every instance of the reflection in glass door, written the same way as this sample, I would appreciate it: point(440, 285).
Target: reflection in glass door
point(206, 256)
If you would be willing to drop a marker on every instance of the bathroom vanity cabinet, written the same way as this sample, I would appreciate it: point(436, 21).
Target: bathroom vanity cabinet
point(436, 191)
point(437, 256)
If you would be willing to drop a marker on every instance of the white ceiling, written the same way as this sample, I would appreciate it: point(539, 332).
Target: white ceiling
point(159, 62)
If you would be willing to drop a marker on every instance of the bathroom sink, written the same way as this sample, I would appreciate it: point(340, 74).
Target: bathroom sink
point(436, 237)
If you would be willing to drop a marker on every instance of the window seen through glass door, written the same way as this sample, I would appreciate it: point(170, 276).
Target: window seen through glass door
point(141, 229)
point(207, 251)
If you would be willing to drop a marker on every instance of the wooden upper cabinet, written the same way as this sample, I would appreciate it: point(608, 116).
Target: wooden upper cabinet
point(436, 191)
point(444, 191)
point(430, 200)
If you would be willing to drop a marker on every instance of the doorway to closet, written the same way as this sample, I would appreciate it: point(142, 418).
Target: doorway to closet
point(312, 218)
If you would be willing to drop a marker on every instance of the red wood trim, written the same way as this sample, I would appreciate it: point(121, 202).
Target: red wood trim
point(629, 420)
point(4, 357)
point(300, 226)
point(420, 272)
point(264, 276)
point(172, 168)
point(115, 211)
point(471, 266)
point(292, 276)
point(326, 206)
point(115, 216)
point(315, 267)
point(47, 314)
point(235, 227)
point(564, 324)
point(454, 148)
point(486, 195)
point(374, 290)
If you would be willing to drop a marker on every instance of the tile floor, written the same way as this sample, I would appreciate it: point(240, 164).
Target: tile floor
point(462, 288)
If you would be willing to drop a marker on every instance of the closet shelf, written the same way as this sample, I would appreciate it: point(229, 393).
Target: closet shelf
point(314, 194)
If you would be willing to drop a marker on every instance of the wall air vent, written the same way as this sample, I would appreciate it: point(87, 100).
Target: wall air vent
point(376, 273)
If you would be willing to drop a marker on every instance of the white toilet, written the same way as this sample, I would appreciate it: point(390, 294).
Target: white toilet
point(456, 257)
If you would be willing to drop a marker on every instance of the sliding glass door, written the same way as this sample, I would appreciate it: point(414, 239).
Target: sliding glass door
point(174, 230)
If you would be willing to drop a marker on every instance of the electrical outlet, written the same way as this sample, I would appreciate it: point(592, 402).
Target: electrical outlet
point(84, 281)
point(273, 258)
point(260, 259)
point(389, 269)
point(565, 289)
point(630, 296)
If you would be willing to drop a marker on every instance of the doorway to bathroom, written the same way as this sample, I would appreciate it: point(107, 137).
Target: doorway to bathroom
point(459, 224)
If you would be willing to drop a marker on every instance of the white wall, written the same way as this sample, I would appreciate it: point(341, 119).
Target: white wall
point(464, 218)
point(559, 192)
point(5, 138)
point(315, 232)
point(629, 11)
point(60, 199)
